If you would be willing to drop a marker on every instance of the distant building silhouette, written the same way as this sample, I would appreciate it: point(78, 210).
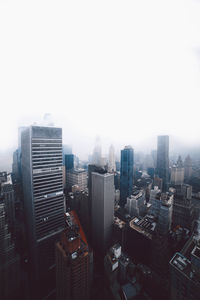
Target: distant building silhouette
point(163, 160)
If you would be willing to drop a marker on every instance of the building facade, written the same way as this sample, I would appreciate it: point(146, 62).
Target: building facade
point(42, 173)
point(73, 262)
point(103, 197)
point(126, 174)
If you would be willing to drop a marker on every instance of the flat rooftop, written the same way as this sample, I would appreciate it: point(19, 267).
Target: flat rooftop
point(145, 226)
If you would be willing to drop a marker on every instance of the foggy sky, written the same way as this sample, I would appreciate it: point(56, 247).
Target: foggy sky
point(125, 70)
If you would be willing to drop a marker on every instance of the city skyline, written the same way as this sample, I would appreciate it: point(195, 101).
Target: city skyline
point(126, 78)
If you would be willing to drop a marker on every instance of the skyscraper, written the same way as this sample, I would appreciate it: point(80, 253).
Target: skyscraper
point(103, 197)
point(126, 174)
point(43, 199)
point(163, 159)
point(73, 262)
point(69, 162)
point(9, 259)
point(177, 173)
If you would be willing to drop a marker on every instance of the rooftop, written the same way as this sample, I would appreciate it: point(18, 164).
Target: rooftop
point(145, 226)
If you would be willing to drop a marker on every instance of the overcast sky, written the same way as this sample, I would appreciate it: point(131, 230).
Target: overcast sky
point(124, 70)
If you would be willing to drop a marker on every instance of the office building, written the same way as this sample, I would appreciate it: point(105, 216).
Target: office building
point(126, 174)
point(102, 210)
point(76, 177)
point(69, 162)
point(135, 204)
point(9, 259)
point(177, 173)
point(163, 160)
point(41, 149)
point(73, 262)
point(183, 209)
point(138, 239)
point(79, 201)
point(185, 272)
point(9, 200)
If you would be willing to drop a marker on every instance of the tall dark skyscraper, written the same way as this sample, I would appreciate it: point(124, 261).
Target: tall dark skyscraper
point(163, 160)
point(126, 174)
point(69, 162)
point(42, 175)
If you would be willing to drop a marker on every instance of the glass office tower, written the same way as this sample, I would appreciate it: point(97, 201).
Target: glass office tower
point(126, 174)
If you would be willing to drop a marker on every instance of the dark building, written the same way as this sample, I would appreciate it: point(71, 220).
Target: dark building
point(42, 173)
point(69, 162)
point(9, 259)
point(73, 262)
point(151, 172)
point(100, 170)
point(117, 180)
point(9, 200)
point(126, 174)
point(79, 201)
point(163, 160)
point(138, 239)
point(185, 272)
point(183, 209)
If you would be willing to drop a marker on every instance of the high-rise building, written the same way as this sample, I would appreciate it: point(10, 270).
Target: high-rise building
point(9, 260)
point(69, 162)
point(41, 149)
point(163, 160)
point(177, 173)
point(111, 160)
point(73, 262)
point(9, 200)
point(126, 174)
point(102, 210)
point(183, 209)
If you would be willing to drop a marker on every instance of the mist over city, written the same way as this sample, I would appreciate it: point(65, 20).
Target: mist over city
point(100, 150)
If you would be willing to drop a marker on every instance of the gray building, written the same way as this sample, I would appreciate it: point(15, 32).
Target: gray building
point(41, 149)
point(177, 173)
point(163, 160)
point(103, 197)
point(76, 177)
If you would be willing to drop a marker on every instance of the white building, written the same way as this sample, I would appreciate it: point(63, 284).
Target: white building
point(135, 204)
